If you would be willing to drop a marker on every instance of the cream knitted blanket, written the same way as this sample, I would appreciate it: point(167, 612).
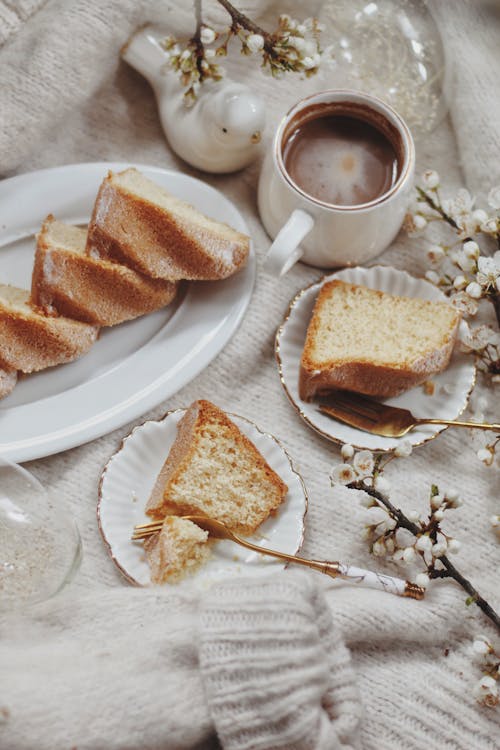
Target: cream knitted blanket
point(262, 664)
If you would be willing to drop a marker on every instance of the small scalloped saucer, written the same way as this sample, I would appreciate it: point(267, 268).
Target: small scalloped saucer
point(452, 387)
point(129, 476)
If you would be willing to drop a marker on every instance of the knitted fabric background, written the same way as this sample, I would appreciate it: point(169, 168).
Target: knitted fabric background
point(66, 98)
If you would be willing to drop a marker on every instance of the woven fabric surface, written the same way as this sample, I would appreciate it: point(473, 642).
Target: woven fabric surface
point(67, 98)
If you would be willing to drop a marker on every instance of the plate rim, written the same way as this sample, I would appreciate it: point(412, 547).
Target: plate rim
point(278, 359)
point(130, 435)
point(29, 448)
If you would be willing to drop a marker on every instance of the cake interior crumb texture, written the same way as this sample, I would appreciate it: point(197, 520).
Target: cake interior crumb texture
point(356, 331)
point(213, 469)
point(177, 550)
point(361, 323)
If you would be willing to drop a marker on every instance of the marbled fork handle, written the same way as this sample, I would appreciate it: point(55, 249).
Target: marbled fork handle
point(365, 578)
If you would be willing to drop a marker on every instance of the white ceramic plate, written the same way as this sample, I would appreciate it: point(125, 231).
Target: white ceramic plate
point(128, 479)
point(133, 366)
point(452, 387)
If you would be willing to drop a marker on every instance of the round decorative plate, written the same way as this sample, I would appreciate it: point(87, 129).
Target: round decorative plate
point(451, 387)
point(128, 479)
point(133, 366)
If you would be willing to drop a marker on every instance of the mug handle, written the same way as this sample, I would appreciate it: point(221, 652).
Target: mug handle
point(285, 251)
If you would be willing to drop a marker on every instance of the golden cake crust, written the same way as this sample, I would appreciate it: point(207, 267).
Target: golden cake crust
point(88, 289)
point(172, 241)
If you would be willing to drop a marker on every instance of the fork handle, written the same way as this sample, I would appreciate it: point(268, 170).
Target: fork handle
point(365, 578)
point(455, 423)
point(371, 580)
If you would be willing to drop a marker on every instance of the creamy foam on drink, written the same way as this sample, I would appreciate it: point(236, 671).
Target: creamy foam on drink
point(341, 160)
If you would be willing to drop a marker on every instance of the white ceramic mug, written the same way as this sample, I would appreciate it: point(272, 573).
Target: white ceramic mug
point(322, 234)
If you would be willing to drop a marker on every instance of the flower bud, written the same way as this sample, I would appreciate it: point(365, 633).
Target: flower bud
point(454, 546)
point(430, 179)
point(423, 543)
point(347, 451)
point(255, 42)
point(207, 35)
point(409, 555)
point(423, 580)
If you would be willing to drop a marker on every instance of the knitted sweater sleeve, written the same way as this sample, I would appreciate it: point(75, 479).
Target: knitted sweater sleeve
point(276, 672)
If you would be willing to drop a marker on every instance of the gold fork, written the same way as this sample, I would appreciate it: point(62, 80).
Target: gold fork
point(381, 419)
point(218, 530)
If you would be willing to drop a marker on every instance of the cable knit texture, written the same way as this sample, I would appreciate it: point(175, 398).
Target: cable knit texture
point(263, 663)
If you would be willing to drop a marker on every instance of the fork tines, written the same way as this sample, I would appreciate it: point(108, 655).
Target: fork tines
point(143, 530)
point(355, 404)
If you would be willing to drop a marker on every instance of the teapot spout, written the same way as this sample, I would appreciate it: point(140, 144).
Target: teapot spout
point(145, 54)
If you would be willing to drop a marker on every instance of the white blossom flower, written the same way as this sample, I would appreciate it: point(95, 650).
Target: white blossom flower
point(435, 254)
point(430, 179)
point(464, 202)
point(460, 282)
point(486, 691)
point(367, 500)
point(464, 303)
point(480, 645)
point(488, 269)
point(347, 451)
point(433, 277)
point(471, 249)
point(403, 449)
point(480, 216)
point(311, 62)
point(409, 555)
point(419, 222)
point(485, 455)
point(382, 485)
point(423, 543)
point(439, 548)
point(438, 514)
point(454, 546)
point(465, 261)
point(363, 463)
point(474, 289)
point(423, 580)
point(437, 501)
point(494, 198)
point(378, 548)
point(207, 35)
point(255, 42)
point(413, 515)
point(298, 42)
point(495, 522)
point(490, 226)
point(343, 474)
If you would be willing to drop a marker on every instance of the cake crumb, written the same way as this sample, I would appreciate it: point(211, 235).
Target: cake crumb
point(429, 387)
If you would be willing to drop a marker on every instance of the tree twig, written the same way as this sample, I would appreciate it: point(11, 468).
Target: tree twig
point(432, 203)
point(448, 570)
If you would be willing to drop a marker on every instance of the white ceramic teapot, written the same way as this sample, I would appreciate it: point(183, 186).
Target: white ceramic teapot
point(220, 132)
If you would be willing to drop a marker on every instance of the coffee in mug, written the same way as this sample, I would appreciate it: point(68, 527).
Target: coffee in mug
point(335, 187)
point(340, 160)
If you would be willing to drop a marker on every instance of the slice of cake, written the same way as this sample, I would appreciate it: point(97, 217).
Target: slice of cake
point(140, 224)
point(370, 342)
point(31, 341)
point(8, 380)
point(214, 470)
point(176, 551)
point(94, 291)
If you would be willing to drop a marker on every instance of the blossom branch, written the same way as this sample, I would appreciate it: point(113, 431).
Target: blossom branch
point(401, 537)
point(293, 46)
